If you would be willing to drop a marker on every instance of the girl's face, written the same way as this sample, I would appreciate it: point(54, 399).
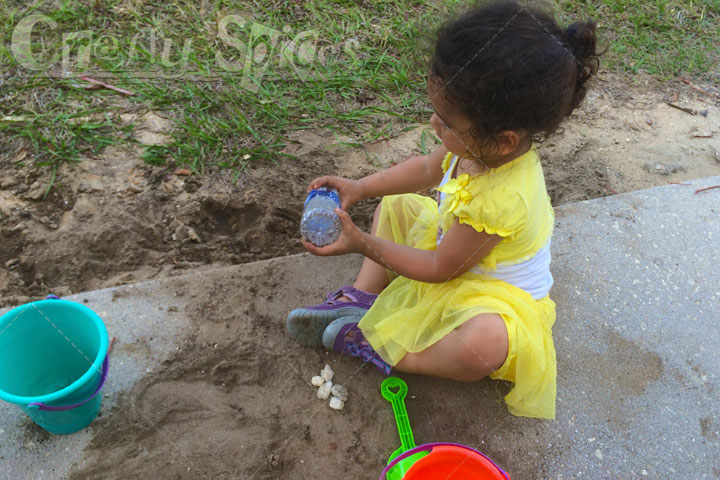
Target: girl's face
point(451, 126)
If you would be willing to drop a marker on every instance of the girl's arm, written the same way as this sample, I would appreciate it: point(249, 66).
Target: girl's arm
point(461, 248)
point(413, 175)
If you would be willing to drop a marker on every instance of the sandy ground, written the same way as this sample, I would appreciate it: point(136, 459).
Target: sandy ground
point(235, 402)
point(112, 220)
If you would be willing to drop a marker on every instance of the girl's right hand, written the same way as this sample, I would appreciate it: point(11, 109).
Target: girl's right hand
point(350, 191)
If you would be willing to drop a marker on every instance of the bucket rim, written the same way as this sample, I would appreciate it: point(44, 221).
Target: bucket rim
point(428, 447)
point(97, 362)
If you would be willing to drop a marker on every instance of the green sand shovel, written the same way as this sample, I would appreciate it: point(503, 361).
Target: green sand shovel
point(394, 391)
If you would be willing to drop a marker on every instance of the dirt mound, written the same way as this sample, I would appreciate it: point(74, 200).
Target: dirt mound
point(113, 220)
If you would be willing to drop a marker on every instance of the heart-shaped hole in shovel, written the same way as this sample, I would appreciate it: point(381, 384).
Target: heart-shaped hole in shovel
point(393, 389)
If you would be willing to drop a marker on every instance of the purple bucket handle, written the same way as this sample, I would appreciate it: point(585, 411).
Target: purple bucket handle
point(50, 408)
point(52, 297)
point(428, 448)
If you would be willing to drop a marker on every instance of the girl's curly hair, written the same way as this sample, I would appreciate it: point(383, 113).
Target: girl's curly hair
point(511, 67)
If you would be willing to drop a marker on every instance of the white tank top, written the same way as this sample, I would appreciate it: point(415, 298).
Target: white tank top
point(532, 275)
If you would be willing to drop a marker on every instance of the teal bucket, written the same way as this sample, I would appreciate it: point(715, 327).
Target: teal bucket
point(53, 363)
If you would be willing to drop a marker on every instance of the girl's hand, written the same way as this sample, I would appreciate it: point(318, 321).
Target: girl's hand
point(350, 240)
point(350, 191)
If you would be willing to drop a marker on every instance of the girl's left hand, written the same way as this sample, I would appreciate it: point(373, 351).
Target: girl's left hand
point(350, 240)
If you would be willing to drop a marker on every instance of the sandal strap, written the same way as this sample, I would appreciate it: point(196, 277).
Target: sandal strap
point(332, 297)
point(358, 346)
point(352, 293)
point(341, 344)
point(369, 355)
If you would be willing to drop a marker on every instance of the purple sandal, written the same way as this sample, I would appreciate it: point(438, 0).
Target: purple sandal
point(306, 325)
point(343, 336)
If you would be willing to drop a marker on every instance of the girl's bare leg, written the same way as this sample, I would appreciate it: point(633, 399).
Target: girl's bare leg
point(468, 353)
point(372, 277)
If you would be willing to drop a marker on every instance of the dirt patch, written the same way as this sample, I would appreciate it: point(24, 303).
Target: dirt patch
point(112, 219)
point(33, 434)
point(626, 137)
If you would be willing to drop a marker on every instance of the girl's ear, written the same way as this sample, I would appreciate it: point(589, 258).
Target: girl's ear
point(507, 141)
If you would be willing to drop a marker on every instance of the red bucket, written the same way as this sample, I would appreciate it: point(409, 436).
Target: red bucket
point(449, 461)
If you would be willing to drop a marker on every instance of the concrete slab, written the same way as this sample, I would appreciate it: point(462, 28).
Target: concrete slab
point(637, 338)
point(146, 320)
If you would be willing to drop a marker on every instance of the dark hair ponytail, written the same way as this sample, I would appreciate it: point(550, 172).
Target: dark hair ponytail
point(509, 66)
point(581, 41)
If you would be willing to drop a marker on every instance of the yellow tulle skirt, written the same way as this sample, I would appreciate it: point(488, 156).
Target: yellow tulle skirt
point(409, 315)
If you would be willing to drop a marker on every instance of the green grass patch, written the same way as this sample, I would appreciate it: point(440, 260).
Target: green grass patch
point(659, 37)
point(238, 76)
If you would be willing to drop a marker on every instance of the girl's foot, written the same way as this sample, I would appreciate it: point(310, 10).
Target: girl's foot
point(306, 325)
point(343, 336)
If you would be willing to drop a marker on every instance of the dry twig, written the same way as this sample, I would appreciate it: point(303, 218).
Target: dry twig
point(99, 84)
point(707, 188)
point(698, 89)
point(684, 109)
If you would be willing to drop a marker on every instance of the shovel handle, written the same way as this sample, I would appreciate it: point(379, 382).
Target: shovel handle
point(397, 400)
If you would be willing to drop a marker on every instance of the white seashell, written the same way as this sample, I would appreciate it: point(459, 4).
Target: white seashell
point(317, 380)
point(327, 373)
point(336, 403)
point(324, 391)
point(340, 392)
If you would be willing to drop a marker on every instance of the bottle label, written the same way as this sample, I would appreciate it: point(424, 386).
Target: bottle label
point(323, 192)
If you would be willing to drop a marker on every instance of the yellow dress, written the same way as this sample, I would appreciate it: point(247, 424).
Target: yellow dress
point(409, 315)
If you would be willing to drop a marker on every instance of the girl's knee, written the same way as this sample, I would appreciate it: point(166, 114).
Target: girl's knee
point(467, 354)
point(485, 342)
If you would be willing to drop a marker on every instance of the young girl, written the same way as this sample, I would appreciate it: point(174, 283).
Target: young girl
point(457, 287)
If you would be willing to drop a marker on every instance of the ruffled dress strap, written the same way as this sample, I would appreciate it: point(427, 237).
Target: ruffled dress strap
point(447, 162)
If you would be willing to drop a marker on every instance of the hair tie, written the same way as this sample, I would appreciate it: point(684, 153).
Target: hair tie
point(570, 33)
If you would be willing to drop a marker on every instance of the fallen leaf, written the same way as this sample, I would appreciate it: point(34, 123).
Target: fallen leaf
point(22, 154)
point(183, 172)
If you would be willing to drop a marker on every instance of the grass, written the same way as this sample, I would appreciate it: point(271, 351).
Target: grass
point(363, 82)
point(659, 37)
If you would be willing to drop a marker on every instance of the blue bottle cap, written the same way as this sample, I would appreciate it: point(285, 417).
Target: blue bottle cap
point(323, 192)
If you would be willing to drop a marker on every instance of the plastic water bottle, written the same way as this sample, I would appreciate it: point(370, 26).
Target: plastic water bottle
point(320, 225)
